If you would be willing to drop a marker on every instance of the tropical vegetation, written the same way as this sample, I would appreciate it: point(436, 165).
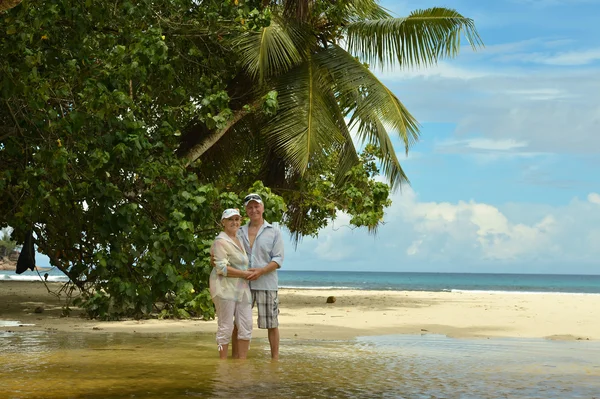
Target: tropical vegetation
point(126, 127)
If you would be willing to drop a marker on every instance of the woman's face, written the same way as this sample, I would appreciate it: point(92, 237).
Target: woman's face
point(231, 225)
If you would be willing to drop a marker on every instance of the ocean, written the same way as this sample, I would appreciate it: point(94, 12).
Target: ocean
point(407, 281)
point(436, 282)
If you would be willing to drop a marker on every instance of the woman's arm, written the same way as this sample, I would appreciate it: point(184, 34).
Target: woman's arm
point(221, 262)
point(233, 272)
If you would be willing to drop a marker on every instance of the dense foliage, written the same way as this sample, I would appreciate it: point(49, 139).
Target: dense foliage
point(126, 127)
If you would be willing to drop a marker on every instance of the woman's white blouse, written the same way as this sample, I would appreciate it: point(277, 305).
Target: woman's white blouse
point(227, 253)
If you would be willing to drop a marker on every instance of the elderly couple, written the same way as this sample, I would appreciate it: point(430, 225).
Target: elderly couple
point(245, 264)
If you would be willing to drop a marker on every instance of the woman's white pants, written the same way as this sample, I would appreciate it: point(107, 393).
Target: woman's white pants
point(230, 312)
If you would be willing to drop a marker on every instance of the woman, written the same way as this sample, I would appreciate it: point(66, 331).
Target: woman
point(229, 288)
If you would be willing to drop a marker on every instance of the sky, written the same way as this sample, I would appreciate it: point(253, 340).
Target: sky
point(505, 177)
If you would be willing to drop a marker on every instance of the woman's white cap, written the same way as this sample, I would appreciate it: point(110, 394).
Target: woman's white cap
point(227, 213)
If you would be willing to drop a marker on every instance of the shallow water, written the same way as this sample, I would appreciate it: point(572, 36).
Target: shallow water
point(61, 365)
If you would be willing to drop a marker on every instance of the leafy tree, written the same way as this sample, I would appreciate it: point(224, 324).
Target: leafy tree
point(315, 55)
point(310, 68)
point(94, 99)
point(7, 245)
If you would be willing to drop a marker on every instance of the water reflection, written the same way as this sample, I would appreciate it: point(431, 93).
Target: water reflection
point(13, 323)
point(58, 365)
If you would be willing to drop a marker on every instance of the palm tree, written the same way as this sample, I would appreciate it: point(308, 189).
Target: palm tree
point(317, 55)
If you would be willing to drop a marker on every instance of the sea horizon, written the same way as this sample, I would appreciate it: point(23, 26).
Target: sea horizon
point(535, 283)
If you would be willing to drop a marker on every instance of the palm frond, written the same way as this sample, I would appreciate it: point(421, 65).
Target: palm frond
point(304, 126)
point(348, 157)
point(419, 39)
point(272, 51)
point(373, 108)
point(370, 128)
point(360, 10)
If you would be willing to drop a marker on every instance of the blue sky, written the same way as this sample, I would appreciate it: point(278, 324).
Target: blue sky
point(505, 176)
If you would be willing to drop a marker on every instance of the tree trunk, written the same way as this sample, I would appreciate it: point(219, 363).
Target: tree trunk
point(197, 150)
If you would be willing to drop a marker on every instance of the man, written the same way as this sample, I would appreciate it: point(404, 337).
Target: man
point(264, 246)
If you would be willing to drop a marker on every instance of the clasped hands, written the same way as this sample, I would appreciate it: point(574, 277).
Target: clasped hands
point(254, 274)
point(251, 274)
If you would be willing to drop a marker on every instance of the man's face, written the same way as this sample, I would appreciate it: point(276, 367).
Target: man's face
point(254, 210)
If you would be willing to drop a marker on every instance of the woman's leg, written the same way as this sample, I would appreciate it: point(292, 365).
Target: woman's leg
point(225, 311)
point(234, 343)
point(243, 323)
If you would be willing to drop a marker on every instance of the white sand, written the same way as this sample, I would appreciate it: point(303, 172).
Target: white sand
point(305, 315)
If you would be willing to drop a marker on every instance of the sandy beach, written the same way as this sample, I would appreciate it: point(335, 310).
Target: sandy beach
point(306, 315)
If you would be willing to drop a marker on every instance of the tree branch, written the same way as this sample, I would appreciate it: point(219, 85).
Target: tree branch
point(196, 151)
point(14, 118)
point(8, 130)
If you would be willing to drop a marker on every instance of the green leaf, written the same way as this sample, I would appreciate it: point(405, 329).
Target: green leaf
point(270, 52)
point(419, 39)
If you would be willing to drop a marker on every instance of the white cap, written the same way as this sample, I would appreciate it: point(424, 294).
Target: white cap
point(252, 197)
point(227, 213)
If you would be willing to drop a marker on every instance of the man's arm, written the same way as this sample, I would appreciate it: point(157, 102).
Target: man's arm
point(277, 252)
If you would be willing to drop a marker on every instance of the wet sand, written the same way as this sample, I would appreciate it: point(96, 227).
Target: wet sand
point(40, 364)
point(306, 315)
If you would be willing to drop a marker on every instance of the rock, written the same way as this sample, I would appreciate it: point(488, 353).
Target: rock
point(39, 309)
point(330, 299)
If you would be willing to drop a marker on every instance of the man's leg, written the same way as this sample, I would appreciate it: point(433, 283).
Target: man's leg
point(269, 320)
point(274, 342)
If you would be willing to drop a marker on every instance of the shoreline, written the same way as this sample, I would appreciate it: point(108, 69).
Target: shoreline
point(306, 315)
point(458, 291)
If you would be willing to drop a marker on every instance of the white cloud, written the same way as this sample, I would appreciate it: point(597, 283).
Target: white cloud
point(496, 145)
point(541, 94)
point(573, 57)
point(518, 90)
point(594, 198)
point(443, 70)
point(551, 111)
point(326, 248)
point(485, 151)
point(468, 235)
point(564, 58)
point(486, 144)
